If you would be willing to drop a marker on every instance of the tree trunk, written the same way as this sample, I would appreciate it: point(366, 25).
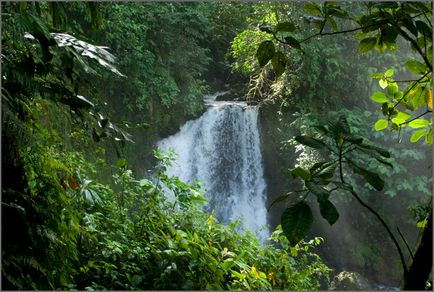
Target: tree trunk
point(421, 266)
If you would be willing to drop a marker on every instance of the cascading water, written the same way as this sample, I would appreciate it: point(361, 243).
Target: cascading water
point(222, 149)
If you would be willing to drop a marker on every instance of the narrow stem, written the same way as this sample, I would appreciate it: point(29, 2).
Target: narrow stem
point(421, 115)
point(404, 266)
point(405, 242)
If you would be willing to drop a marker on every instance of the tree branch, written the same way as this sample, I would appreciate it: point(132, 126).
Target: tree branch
point(404, 266)
point(421, 115)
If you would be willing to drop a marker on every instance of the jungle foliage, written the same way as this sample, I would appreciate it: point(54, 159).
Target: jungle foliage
point(72, 220)
point(378, 26)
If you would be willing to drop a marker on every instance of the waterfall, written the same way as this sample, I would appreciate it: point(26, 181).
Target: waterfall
point(222, 149)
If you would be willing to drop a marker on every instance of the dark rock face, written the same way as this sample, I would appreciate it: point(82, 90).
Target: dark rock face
point(350, 281)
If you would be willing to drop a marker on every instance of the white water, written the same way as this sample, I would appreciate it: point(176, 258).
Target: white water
point(222, 149)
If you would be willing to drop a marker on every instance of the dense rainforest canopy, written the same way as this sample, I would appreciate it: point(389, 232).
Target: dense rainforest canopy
point(344, 94)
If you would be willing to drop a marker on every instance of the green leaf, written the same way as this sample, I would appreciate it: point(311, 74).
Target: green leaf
point(312, 8)
point(279, 63)
point(422, 224)
point(332, 22)
point(285, 26)
point(309, 141)
point(418, 123)
point(419, 97)
point(296, 222)
point(321, 193)
point(392, 88)
point(428, 137)
point(385, 5)
point(416, 67)
point(371, 177)
point(377, 75)
point(367, 44)
point(328, 171)
point(379, 97)
point(389, 35)
point(409, 24)
point(328, 211)
point(389, 73)
point(379, 150)
point(382, 83)
point(381, 125)
point(265, 52)
point(293, 42)
point(417, 135)
point(400, 118)
point(301, 172)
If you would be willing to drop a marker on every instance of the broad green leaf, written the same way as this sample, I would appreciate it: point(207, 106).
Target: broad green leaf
point(381, 125)
point(328, 211)
point(296, 222)
point(367, 44)
point(293, 42)
point(400, 118)
point(382, 83)
point(418, 123)
point(285, 26)
point(312, 8)
point(389, 35)
point(416, 67)
point(424, 29)
point(385, 5)
point(409, 25)
point(389, 73)
point(327, 172)
point(371, 177)
point(279, 63)
point(379, 97)
point(419, 97)
point(379, 150)
point(428, 137)
point(332, 23)
point(422, 224)
point(309, 141)
point(301, 172)
point(377, 75)
point(265, 52)
point(321, 193)
point(417, 135)
point(392, 88)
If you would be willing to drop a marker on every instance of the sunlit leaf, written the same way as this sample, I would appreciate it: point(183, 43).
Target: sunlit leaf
point(418, 123)
point(389, 73)
point(382, 83)
point(417, 135)
point(379, 97)
point(381, 125)
point(428, 137)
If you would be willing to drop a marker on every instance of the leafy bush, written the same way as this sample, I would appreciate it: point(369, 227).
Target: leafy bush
point(136, 237)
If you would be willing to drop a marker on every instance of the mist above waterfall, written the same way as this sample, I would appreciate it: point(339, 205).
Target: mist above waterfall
point(222, 149)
